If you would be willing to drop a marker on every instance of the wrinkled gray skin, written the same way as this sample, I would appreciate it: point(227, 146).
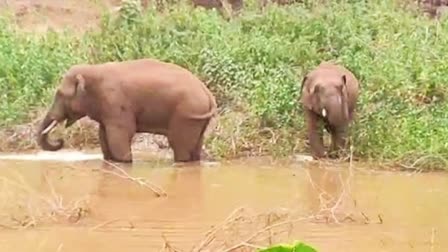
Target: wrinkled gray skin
point(328, 94)
point(129, 97)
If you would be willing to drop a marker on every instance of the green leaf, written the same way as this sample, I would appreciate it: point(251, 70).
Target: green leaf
point(298, 247)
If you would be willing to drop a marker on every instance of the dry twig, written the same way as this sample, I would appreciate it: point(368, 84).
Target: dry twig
point(257, 233)
point(168, 247)
point(36, 206)
point(330, 206)
point(210, 235)
point(158, 191)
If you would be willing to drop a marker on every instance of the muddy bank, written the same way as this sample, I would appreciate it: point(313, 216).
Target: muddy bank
point(226, 139)
point(82, 135)
point(228, 136)
point(83, 205)
point(52, 15)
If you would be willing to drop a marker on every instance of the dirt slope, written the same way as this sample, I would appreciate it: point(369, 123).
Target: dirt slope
point(42, 15)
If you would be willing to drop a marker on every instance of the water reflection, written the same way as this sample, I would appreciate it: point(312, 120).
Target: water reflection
point(122, 212)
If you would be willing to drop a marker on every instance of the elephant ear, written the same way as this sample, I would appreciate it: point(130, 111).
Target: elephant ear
point(81, 86)
point(314, 89)
point(308, 98)
point(344, 95)
point(344, 80)
point(343, 87)
point(72, 85)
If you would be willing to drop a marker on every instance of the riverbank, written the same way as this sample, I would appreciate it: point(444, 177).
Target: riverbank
point(254, 65)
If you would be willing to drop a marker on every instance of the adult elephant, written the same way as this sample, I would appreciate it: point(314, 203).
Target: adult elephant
point(329, 94)
point(144, 95)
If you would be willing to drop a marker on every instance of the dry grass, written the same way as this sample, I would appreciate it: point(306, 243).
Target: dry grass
point(235, 135)
point(246, 230)
point(23, 206)
point(83, 134)
point(335, 208)
point(228, 136)
point(119, 172)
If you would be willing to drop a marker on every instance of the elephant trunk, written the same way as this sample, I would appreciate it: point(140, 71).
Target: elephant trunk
point(336, 110)
point(47, 125)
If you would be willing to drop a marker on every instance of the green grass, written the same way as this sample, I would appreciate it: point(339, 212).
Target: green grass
point(254, 65)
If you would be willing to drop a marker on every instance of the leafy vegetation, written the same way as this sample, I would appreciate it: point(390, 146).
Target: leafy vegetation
point(297, 247)
point(254, 65)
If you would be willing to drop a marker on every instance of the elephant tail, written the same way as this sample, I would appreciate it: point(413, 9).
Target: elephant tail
point(212, 106)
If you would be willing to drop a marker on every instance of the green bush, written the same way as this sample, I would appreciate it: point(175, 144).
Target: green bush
point(255, 63)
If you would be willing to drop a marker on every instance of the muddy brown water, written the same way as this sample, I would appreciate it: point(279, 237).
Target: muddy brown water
point(389, 211)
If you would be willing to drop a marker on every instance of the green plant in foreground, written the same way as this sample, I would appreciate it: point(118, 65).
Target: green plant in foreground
point(297, 247)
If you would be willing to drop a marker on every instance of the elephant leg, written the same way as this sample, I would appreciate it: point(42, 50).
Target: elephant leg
point(199, 151)
point(103, 143)
point(314, 135)
point(195, 154)
point(119, 141)
point(338, 140)
point(185, 137)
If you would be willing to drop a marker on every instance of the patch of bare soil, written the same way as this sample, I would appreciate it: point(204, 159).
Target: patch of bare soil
point(44, 15)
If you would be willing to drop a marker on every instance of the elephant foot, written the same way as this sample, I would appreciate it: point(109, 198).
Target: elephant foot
point(195, 159)
point(107, 157)
point(319, 155)
point(116, 160)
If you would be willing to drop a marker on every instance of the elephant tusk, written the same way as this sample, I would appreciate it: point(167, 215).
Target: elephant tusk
point(324, 112)
point(50, 127)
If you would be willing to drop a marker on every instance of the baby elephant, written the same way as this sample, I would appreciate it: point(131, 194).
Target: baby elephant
point(144, 95)
point(328, 94)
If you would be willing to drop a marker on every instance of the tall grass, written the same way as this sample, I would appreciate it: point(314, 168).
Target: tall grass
point(254, 65)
